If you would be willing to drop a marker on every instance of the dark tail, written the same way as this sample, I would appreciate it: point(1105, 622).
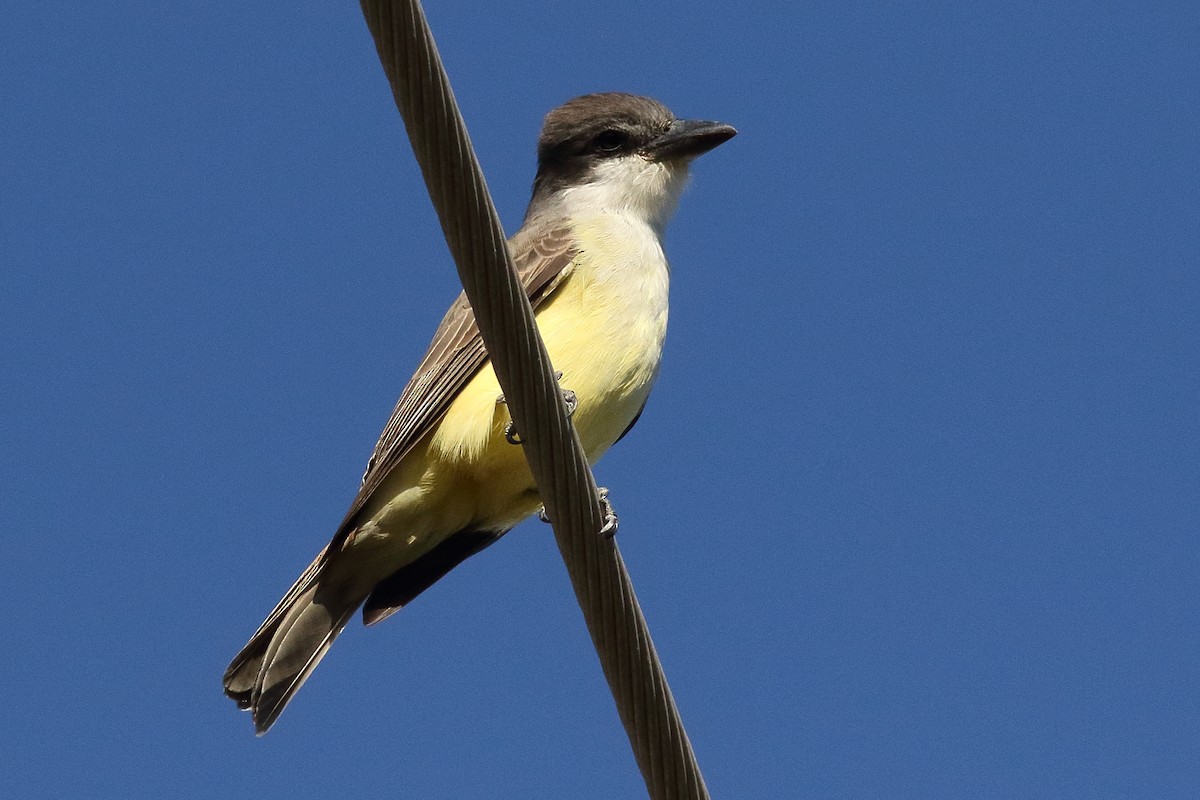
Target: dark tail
point(295, 636)
point(291, 642)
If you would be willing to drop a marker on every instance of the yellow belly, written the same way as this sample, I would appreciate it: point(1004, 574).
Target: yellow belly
point(603, 328)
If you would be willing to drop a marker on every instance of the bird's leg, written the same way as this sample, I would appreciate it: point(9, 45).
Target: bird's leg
point(609, 529)
point(510, 430)
point(571, 400)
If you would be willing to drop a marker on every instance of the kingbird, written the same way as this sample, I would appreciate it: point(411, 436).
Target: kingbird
point(445, 481)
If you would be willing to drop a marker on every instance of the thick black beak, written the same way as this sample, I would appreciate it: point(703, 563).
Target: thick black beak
point(688, 138)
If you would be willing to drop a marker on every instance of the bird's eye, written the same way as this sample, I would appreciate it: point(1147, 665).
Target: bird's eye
point(611, 140)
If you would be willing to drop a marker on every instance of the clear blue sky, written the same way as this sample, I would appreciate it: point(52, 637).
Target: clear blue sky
point(914, 511)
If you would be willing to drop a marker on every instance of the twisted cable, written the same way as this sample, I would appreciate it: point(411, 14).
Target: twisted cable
point(476, 239)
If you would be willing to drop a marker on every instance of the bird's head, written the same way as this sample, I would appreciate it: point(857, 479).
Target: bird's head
point(618, 152)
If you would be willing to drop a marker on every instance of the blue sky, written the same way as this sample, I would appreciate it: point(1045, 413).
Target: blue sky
point(913, 510)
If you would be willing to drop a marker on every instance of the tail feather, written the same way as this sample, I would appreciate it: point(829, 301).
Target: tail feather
point(302, 640)
point(242, 673)
point(294, 638)
point(285, 650)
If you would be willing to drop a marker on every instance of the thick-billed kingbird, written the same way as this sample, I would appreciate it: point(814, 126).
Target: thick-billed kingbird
point(444, 481)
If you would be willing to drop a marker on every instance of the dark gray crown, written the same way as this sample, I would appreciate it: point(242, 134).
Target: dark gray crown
point(594, 127)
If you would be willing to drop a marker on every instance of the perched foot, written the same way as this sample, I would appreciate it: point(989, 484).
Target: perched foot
point(510, 434)
point(609, 529)
point(571, 400)
point(510, 430)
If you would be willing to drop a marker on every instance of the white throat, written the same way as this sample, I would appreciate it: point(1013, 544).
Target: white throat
point(647, 191)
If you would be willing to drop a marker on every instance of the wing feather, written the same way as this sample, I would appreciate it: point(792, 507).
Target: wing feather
point(542, 259)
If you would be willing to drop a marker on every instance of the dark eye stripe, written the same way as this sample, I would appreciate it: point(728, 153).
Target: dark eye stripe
point(610, 140)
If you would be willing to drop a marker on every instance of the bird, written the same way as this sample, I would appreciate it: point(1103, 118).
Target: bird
point(445, 479)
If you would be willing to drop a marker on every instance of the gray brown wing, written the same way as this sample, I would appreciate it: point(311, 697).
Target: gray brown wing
point(542, 260)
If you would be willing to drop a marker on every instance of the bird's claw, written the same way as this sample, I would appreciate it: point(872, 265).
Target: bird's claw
point(510, 434)
point(609, 529)
point(569, 398)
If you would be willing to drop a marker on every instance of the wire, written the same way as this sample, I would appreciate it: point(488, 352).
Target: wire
point(477, 243)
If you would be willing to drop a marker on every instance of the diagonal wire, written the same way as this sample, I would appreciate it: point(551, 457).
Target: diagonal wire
point(472, 228)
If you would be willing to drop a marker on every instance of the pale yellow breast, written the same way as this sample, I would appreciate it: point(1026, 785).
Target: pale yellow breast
point(604, 328)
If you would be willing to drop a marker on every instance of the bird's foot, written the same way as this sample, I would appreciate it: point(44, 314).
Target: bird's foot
point(609, 529)
point(510, 430)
